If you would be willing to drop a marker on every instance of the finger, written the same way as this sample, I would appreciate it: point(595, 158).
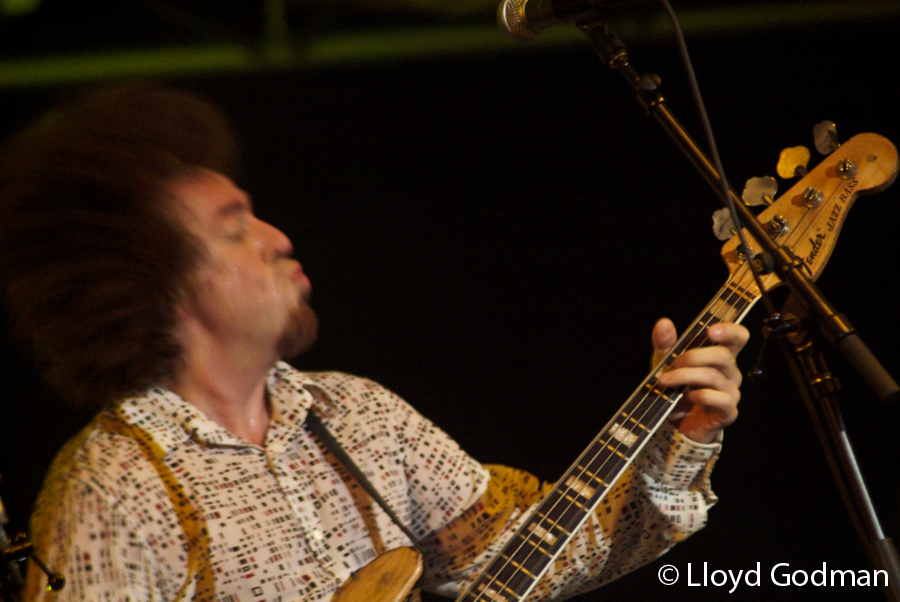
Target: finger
point(719, 358)
point(719, 400)
point(704, 377)
point(664, 338)
point(721, 404)
point(730, 335)
point(703, 423)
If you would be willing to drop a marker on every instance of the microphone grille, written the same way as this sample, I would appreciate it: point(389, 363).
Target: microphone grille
point(512, 20)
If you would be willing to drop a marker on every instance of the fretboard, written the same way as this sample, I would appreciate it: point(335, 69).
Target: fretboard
point(514, 572)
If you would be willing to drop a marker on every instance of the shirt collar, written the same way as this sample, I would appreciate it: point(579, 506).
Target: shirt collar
point(170, 420)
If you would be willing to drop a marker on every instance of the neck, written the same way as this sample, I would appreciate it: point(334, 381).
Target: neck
point(228, 388)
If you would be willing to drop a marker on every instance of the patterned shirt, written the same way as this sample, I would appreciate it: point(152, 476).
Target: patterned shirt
point(155, 501)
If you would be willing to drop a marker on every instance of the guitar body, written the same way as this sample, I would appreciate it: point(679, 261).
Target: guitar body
point(392, 577)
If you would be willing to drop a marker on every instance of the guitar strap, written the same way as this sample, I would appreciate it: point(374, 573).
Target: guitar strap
point(315, 425)
point(190, 518)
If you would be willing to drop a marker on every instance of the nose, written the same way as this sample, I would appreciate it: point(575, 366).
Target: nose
point(274, 241)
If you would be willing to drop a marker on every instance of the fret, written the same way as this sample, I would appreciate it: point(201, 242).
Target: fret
point(652, 388)
point(511, 561)
point(543, 534)
point(510, 579)
point(593, 477)
point(604, 453)
point(494, 593)
point(583, 489)
point(721, 309)
point(640, 404)
point(537, 547)
point(606, 465)
point(570, 515)
point(623, 435)
point(537, 544)
point(635, 421)
point(647, 415)
point(745, 296)
point(617, 452)
point(549, 524)
point(573, 500)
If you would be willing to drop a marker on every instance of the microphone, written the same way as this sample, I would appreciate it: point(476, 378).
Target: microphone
point(524, 19)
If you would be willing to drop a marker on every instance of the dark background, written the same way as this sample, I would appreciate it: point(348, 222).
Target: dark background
point(493, 235)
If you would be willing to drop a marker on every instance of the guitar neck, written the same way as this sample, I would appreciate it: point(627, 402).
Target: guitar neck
point(808, 217)
point(531, 550)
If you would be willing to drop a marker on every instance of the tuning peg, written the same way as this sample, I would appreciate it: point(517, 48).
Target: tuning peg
point(792, 162)
point(826, 138)
point(723, 225)
point(760, 191)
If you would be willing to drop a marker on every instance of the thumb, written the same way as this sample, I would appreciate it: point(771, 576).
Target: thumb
point(664, 338)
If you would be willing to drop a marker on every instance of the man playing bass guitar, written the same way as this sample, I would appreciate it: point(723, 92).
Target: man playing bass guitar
point(137, 270)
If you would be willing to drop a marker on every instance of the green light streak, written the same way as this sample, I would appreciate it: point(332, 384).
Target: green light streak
point(340, 49)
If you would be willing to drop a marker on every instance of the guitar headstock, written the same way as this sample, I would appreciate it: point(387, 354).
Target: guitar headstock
point(809, 216)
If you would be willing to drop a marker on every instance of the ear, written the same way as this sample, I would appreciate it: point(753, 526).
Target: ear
point(185, 307)
point(185, 323)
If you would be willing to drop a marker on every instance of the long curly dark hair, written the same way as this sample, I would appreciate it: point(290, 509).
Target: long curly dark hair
point(92, 260)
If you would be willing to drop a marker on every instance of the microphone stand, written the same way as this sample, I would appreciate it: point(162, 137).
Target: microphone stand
point(806, 360)
point(11, 554)
point(10, 577)
point(808, 365)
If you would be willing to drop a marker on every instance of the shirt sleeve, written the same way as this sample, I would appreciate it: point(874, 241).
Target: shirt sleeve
point(91, 542)
point(443, 481)
point(660, 500)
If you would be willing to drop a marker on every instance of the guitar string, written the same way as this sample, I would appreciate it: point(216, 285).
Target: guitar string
point(726, 305)
point(686, 344)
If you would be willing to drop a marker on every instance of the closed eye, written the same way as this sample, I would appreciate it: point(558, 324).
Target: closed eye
point(234, 218)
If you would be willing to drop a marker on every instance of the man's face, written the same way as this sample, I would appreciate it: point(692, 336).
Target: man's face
point(246, 291)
